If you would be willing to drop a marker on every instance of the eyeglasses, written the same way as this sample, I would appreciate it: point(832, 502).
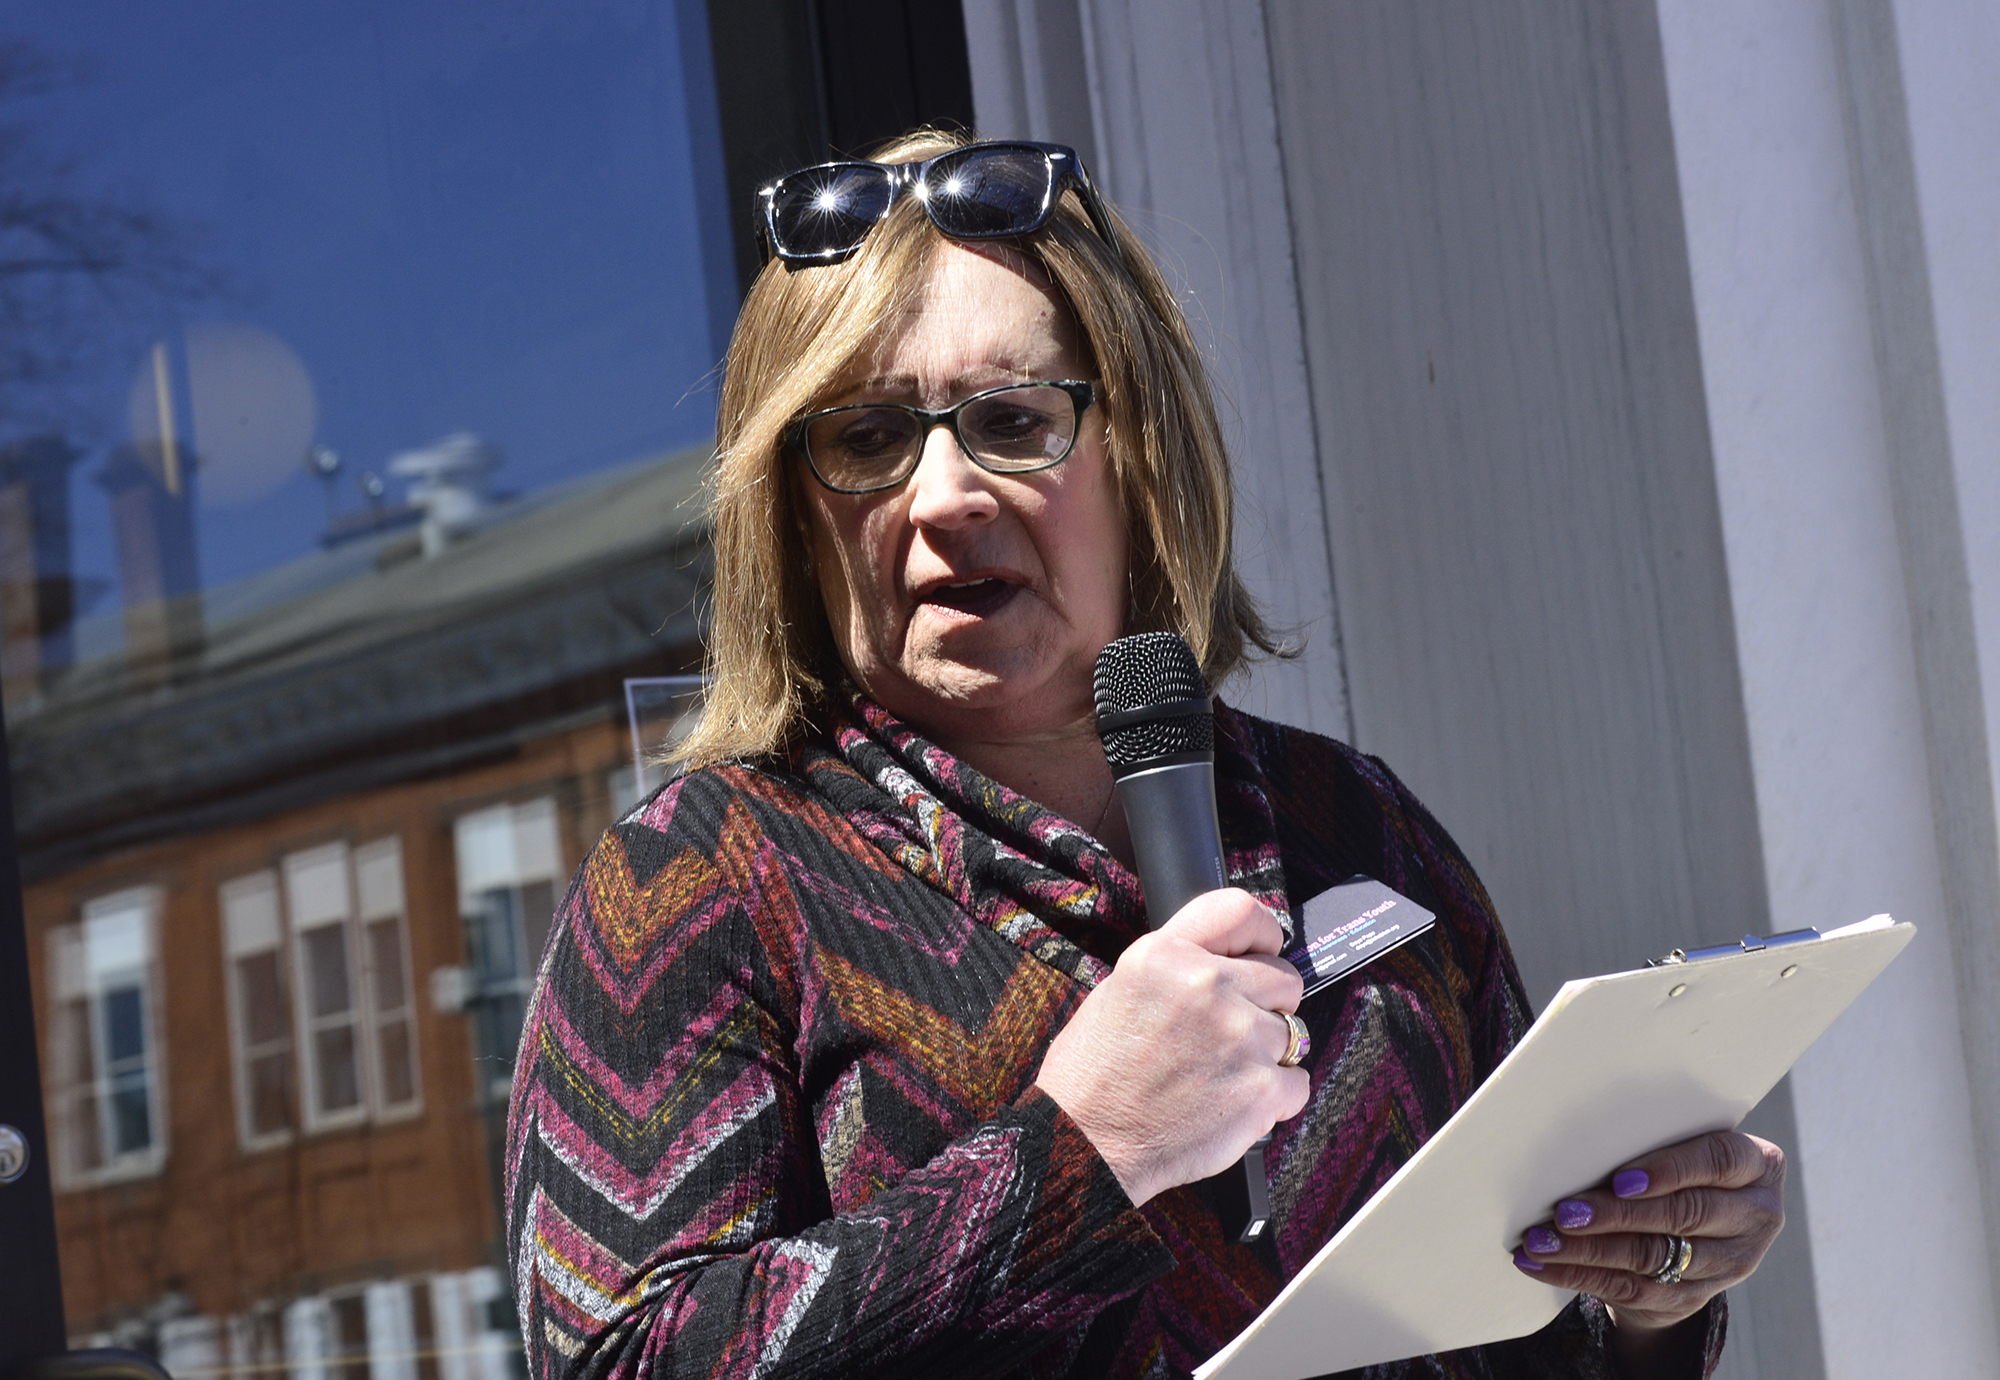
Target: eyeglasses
point(980, 192)
point(1015, 429)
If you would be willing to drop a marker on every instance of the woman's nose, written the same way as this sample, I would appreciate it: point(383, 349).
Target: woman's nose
point(947, 489)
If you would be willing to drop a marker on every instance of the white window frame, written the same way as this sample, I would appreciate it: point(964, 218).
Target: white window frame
point(243, 935)
point(332, 860)
point(510, 847)
point(373, 904)
point(71, 978)
point(468, 1345)
point(348, 889)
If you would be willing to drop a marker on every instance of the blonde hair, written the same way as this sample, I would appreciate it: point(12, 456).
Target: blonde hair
point(771, 656)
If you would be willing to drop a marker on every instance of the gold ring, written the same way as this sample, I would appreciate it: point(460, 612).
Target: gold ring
point(1298, 1042)
point(1680, 1255)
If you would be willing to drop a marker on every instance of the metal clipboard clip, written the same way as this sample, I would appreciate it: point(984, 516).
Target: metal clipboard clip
point(1749, 944)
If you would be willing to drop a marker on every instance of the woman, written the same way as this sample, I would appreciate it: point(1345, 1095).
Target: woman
point(852, 1052)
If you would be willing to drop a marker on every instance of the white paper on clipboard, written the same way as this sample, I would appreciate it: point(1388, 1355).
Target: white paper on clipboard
point(1616, 1066)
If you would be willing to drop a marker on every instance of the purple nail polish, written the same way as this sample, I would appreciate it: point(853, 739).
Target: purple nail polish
point(1526, 1262)
point(1630, 1183)
point(1542, 1241)
point(1572, 1213)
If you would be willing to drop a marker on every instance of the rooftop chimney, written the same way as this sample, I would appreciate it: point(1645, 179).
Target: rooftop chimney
point(37, 591)
point(152, 521)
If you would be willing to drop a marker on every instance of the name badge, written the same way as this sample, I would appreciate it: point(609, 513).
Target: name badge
point(1351, 924)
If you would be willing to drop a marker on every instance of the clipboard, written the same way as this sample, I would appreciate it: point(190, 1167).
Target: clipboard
point(1616, 1066)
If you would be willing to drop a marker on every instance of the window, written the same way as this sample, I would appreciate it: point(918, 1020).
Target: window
point(380, 1331)
point(347, 1357)
point(256, 1344)
point(509, 866)
point(320, 899)
point(378, 869)
point(344, 1049)
point(260, 1009)
point(103, 1045)
point(477, 1335)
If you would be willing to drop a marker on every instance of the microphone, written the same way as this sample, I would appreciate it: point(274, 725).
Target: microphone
point(1158, 727)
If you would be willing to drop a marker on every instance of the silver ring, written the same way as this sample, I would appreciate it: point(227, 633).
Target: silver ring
point(1298, 1042)
point(1680, 1255)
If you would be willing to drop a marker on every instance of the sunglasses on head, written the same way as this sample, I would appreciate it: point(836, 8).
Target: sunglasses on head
point(980, 192)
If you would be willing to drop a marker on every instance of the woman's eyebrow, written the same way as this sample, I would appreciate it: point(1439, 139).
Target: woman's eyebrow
point(973, 379)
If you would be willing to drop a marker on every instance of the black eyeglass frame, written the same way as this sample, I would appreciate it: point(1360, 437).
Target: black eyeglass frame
point(1082, 396)
point(1065, 170)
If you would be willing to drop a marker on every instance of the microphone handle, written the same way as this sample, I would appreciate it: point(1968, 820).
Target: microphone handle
point(1170, 813)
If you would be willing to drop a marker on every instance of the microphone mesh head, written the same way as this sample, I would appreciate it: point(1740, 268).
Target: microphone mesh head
point(1148, 669)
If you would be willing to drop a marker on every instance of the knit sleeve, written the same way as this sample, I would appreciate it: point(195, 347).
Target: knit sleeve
point(668, 1208)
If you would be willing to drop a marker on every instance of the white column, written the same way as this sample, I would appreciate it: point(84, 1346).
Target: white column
point(191, 1346)
point(308, 1331)
point(490, 1357)
point(1951, 126)
point(1823, 619)
point(391, 1331)
point(451, 1328)
point(1951, 50)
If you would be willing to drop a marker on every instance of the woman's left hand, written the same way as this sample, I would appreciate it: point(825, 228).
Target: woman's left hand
point(1724, 1192)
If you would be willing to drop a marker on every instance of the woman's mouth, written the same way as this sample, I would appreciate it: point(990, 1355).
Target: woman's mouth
point(979, 598)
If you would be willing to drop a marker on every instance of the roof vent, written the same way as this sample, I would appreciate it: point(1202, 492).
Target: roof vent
point(448, 482)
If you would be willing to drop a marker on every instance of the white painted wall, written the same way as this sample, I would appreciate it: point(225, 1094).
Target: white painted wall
point(1180, 130)
point(1829, 675)
point(1951, 54)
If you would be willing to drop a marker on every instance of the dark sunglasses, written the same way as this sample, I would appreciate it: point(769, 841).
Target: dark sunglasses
point(1017, 428)
point(981, 192)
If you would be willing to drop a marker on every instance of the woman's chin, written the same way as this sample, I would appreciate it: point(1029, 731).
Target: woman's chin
point(954, 699)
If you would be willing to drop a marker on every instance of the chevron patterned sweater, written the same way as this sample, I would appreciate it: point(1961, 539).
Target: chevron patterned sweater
point(774, 1113)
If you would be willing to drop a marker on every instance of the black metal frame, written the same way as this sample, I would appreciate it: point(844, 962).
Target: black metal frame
point(31, 1306)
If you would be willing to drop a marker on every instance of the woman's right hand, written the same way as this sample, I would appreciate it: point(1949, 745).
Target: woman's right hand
point(1171, 1065)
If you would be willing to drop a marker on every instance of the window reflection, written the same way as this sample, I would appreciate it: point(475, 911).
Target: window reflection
point(106, 1083)
point(334, 516)
point(261, 1009)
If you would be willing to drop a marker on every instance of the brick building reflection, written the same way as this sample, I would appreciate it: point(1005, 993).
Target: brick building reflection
point(289, 857)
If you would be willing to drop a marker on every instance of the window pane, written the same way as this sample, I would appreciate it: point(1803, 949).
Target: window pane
point(350, 1338)
point(84, 1131)
point(398, 1074)
point(257, 984)
point(74, 1045)
point(131, 1114)
point(385, 954)
point(499, 1029)
point(82, 1134)
point(338, 1073)
point(538, 904)
point(270, 1079)
point(423, 1330)
point(492, 935)
point(124, 1025)
point(326, 964)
